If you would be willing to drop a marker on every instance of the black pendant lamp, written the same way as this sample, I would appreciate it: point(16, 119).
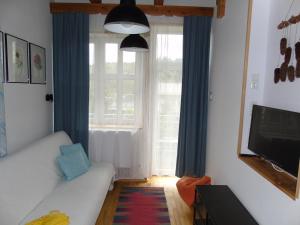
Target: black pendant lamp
point(134, 43)
point(126, 18)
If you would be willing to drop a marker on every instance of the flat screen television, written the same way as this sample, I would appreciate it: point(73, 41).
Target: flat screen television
point(275, 136)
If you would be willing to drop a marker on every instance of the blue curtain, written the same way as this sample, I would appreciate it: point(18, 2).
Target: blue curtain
point(194, 101)
point(71, 75)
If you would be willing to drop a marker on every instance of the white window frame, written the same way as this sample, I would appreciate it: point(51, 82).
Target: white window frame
point(101, 77)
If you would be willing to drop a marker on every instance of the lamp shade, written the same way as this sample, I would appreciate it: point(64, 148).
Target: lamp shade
point(126, 18)
point(134, 43)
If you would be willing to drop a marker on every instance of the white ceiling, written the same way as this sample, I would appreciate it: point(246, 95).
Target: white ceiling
point(204, 3)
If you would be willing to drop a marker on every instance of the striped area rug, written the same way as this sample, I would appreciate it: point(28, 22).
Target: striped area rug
point(142, 206)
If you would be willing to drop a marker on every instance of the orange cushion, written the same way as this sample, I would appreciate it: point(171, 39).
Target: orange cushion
point(186, 187)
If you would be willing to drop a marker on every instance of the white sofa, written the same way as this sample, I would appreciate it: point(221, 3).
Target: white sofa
point(31, 185)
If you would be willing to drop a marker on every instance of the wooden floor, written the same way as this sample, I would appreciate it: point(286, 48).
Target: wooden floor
point(180, 213)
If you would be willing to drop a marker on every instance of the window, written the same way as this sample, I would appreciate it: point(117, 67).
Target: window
point(115, 84)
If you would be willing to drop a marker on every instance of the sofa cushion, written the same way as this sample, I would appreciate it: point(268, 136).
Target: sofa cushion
point(69, 149)
point(81, 199)
point(73, 165)
point(28, 176)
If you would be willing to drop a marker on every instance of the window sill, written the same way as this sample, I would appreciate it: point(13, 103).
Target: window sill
point(282, 181)
point(113, 128)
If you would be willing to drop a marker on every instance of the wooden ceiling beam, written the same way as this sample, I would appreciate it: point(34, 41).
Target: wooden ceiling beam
point(154, 10)
point(221, 6)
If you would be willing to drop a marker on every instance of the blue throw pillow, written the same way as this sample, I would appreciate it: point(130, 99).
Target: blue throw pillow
point(72, 165)
point(69, 149)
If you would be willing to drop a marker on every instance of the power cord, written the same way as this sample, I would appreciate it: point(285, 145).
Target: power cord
point(278, 169)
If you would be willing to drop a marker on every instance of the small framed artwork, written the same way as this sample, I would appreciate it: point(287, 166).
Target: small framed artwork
point(37, 64)
point(16, 59)
point(1, 57)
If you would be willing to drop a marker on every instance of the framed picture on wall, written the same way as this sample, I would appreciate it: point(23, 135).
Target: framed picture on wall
point(1, 57)
point(37, 64)
point(16, 59)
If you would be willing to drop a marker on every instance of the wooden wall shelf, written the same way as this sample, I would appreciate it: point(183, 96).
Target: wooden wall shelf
point(282, 181)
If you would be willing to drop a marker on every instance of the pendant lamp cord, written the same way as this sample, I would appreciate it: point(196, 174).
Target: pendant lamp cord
point(288, 13)
point(128, 2)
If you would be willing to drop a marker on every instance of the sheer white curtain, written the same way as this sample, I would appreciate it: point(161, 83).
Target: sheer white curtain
point(135, 104)
point(116, 103)
point(165, 90)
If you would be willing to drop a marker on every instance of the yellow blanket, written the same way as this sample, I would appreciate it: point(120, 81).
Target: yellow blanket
point(53, 218)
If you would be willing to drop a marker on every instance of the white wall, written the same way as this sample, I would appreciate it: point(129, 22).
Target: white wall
point(256, 63)
point(264, 201)
point(264, 57)
point(28, 115)
point(284, 95)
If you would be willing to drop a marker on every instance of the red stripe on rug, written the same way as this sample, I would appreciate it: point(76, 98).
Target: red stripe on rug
point(142, 206)
point(143, 210)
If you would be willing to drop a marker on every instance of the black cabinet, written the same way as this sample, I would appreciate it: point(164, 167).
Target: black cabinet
point(217, 205)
